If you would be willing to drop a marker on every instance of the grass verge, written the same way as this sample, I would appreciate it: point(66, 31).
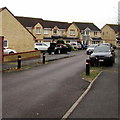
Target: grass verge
point(94, 71)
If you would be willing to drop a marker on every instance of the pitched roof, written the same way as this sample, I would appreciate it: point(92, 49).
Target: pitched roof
point(28, 21)
point(114, 27)
point(52, 24)
point(31, 22)
point(1, 9)
point(84, 25)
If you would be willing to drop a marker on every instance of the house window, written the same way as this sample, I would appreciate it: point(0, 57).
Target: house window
point(38, 30)
point(46, 32)
point(63, 32)
point(82, 31)
point(87, 32)
point(95, 33)
point(72, 32)
point(55, 31)
point(5, 44)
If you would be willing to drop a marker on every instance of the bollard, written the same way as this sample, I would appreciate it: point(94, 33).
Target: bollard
point(87, 66)
point(19, 62)
point(43, 57)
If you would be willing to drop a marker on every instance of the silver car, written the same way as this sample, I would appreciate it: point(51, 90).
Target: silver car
point(91, 48)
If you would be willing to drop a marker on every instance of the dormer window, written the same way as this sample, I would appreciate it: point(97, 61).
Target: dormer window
point(38, 30)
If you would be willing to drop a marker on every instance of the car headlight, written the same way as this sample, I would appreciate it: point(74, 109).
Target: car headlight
point(55, 48)
point(110, 56)
point(92, 56)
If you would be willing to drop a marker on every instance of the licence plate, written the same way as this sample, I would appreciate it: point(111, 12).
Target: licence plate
point(101, 60)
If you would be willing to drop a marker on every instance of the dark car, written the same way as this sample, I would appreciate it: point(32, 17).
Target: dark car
point(57, 48)
point(102, 54)
point(84, 46)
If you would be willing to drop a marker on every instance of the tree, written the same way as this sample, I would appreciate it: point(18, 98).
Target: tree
point(60, 42)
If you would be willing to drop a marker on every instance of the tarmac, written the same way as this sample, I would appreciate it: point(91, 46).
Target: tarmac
point(101, 99)
point(33, 62)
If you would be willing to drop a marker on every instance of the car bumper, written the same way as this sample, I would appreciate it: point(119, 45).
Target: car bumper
point(102, 60)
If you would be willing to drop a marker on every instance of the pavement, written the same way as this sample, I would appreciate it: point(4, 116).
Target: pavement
point(101, 101)
point(32, 62)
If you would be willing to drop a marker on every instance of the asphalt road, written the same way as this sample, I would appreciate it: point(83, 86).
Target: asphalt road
point(102, 100)
point(47, 91)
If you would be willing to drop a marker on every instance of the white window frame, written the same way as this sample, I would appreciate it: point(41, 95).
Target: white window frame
point(72, 32)
point(46, 32)
point(4, 44)
point(63, 32)
point(38, 30)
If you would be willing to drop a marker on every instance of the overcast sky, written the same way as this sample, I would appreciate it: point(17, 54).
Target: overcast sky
point(100, 12)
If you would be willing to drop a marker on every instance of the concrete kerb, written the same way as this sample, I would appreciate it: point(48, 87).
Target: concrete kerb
point(72, 108)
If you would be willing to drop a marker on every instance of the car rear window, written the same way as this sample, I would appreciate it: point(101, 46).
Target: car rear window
point(91, 46)
point(102, 49)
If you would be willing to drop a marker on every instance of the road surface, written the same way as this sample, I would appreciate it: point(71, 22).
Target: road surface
point(46, 91)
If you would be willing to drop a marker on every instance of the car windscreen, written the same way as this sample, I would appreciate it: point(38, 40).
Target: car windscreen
point(38, 44)
point(102, 49)
point(92, 46)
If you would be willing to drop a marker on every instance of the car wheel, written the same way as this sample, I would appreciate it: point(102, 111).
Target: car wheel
point(36, 49)
point(11, 52)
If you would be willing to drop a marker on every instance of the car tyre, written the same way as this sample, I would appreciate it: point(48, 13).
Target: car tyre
point(11, 53)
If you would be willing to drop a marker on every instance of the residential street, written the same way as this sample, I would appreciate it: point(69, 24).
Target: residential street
point(46, 91)
point(50, 90)
point(57, 65)
point(102, 100)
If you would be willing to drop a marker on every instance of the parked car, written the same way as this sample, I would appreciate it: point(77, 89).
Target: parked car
point(79, 46)
point(91, 48)
point(76, 46)
point(84, 46)
point(9, 51)
point(41, 46)
point(102, 54)
point(57, 48)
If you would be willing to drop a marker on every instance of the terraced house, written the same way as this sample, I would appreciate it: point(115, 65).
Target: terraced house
point(45, 30)
point(88, 32)
point(110, 34)
point(16, 36)
point(21, 33)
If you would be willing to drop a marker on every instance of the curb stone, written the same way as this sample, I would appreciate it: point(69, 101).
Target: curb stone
point(67, 114)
